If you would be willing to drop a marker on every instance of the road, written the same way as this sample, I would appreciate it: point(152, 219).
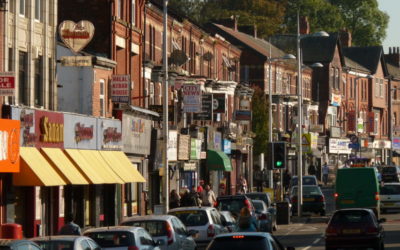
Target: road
point(308, 232)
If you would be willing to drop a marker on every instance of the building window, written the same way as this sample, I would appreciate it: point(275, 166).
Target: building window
point(51, 84)
point(10, 60)
point(119, 9)
point(39, 81)
point(376, 123)
point(102, 98)
point(22, 7)
point(133, 12)
point(192, 55)
point(23, 78)
point(278, 81)
point(381, 88)
point(152, 45)
point(337, 79)
point(151, 93)
point(38, 10)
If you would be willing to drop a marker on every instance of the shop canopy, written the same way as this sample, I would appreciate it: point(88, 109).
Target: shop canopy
point(218, 160)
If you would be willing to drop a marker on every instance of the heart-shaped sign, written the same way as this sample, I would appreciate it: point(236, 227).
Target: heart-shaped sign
point(76, 35)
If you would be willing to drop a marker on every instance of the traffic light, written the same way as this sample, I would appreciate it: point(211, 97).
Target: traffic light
point(276, 155)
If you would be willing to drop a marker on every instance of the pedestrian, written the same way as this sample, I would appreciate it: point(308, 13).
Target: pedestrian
point(325, 173)
point(200, 188)
point(286, 179)
point(70, 228)
point(185, 198)
point(312, 170)
point(174, 199)
point(242, 185)
point(194, 197)
point(208, 197)
point(246, 222)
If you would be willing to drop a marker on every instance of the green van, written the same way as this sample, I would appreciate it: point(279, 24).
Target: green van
point(357, 188)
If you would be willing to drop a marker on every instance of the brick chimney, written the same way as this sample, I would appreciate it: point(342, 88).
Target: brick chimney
point(249, 30)
point(345, 38)
point(304, 25)
point(394, 56)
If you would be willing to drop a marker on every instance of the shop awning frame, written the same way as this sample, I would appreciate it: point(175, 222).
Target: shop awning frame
point(218, 160)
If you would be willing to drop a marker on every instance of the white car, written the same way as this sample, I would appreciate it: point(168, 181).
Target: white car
point(168, 230)
point(390, 196)
point(122, 238)
point(206, 220)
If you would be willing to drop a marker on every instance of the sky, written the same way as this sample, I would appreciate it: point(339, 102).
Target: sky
point(391, 7)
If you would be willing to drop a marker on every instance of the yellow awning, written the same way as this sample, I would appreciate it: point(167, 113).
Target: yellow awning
point(123, 159)
point(35, 170)
point(127, 172)
point(87, 169)
point(64, 166)
point(98, 163)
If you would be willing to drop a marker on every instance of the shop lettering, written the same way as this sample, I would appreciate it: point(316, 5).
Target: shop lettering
point(50, 131)
point(75, 34)
point(111, 135)
point(3, 145)
point(137, 126)
point(82, 132)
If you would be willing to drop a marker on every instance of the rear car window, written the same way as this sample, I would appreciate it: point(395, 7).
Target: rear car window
point(112, 239)
point(258, 197)
point(232, 205)
point(55, 245)
point(351, 217)
point(388, 170)
point(155, 228)
point(390, 189)
point(192, 217)
point(239, 242)
point(258, 205)
point(308, 191)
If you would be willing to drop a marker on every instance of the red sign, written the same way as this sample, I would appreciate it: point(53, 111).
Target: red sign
point(351, 119)
point(111, 135)
point(9, 145)
point(49, 128)
point(82, 132)
point(371, 122)
point(7, 83)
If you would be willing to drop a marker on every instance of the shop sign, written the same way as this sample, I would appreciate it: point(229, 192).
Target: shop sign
point(219, 102)
point(27, 121)
point(109, 135)
point(49, 128)
point(191, 98)
point(120, 88)
point(339, 146)
point(136, 134)
point(9, 145)
point(360, 125)
point(76, 61)
point(183, 147)
point(336, 132)
point(381, 144)
point(189, 166)
point(227, 146)
point(244, 104)
point(160, 110)
point(195, 149)
point(396, 143)
point(7, 83)
point(79, 131)
point(336, 100)
point(242, 115)
point(217, 140)
point(76, 35)
point(317, 128)
point(172, 145)
point(206, 113)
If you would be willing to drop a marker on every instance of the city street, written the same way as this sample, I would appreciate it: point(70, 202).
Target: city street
point(308, 232)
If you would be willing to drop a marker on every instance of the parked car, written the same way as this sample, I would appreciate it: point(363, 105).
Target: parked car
point(229, 220)
point(390, 196)
point(246, 241)
point(354, 227)
point(391, 174)
point(313, 200)
point(234, 203)
point(66, 242)
point(15, 244)
point(264, 217)
point(168, 230)
point(307, 180)
point(270, 206)
point(122, 237)
point(206, 220)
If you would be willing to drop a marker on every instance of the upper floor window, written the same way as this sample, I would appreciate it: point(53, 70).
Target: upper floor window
point(376, 123)
point(22, 7)
point(337, 79)
point(39, 81)
point(102, 98)
point(381, 90)
point(119, 9)
point(133, 12)
point(38, 10)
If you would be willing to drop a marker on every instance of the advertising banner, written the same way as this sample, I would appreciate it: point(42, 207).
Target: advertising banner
point(109, 134)
point(217, 140)
point(206, 113)
point(227, 146)
point(243, 115)
point(219, 103)
point(184, 147)
point(120, 88)
point(136, 134)
point(27, 127)
point(80, 131)
point(195, 149)
point(191, 98)
point(7, 83)
point(339, 146)
point(49, 128)
point(9, 145)
point(172, 145)
point(396, 143)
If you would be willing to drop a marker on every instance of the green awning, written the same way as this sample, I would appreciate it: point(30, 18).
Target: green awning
point(218, 160)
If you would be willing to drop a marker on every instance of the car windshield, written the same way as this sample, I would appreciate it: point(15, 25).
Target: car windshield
point(390, 189)
point(239, 242)
point(232, 205)
point(262, 197)
point(258, 205)
point(310, 190)
point(154, 227)
point(55, 245)
point(389, 170)
point(351, 216)
point(111, 239)
point(192, 217)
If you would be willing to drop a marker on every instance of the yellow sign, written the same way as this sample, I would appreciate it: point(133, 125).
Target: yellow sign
point(51, 132)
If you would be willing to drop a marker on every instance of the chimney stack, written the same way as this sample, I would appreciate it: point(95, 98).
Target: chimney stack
point(394, 56)
point(304, 25)
point(345, 38)
point(390, 50)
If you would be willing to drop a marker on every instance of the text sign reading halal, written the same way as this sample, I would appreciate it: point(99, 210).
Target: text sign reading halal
point(76, 35)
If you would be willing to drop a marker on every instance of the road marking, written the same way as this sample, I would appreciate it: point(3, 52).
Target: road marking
point(313, 243)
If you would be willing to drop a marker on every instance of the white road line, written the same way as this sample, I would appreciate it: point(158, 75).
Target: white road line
point(314, 242)
point(291, 231)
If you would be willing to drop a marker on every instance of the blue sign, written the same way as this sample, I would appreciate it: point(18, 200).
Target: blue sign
point(227, 146)
point(354, 145)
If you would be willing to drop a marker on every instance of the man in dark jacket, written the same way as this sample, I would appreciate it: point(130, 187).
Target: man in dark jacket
point(70, 228)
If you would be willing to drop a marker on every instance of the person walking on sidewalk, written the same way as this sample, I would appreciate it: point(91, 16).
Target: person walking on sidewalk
point(208, 197)
point(325, 173)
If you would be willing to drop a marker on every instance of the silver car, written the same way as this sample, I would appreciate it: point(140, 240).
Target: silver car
point(206, 220)
point(168, 230)
point(66, 242)
point(122, 238)
point(264, 218)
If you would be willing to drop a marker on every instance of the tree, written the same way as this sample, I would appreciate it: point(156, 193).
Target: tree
point(260, 121)
point(191, 9)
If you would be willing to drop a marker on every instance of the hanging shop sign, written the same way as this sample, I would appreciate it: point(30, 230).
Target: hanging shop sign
point(136, 134)
point(206, 113)
point(227, 146)
point(27, 127)
point(217, 140)
point(339, 146)
point(160, 110)
point(172, 145)
point(76, 35)
point(243, 115)
point(191, 98)
point(76, 61)
point(219, 103)
point(195, 149)
point(120, 88)
point(80, 131)
point(109, 135)
point(7, 83)
point(49, 129)
point(396, 143)
point(336, 100)
point(184, 147)
point(9, 145)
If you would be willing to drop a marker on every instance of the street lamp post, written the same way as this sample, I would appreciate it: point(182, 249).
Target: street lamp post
point(391, 125)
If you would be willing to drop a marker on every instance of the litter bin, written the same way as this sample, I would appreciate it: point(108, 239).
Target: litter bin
point(11, 231)
point(282, 213)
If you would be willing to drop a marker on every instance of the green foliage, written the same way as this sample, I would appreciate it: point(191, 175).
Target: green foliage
point(260, 121)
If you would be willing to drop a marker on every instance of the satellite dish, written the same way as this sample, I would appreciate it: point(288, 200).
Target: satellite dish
point(208, 56)
point(178, 57)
